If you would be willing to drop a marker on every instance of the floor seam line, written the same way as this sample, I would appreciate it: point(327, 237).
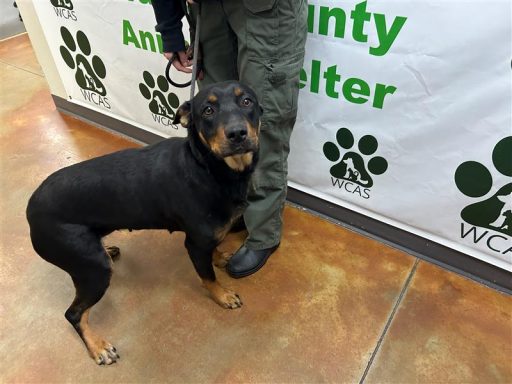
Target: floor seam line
point(20, 68)
point(390, 319)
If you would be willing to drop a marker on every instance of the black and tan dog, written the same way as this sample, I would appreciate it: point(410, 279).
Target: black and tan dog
point(196, 184)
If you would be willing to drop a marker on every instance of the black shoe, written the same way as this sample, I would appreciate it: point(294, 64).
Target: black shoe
point(245, 261)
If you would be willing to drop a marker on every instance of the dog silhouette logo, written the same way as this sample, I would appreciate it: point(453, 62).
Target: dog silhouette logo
point(89, 71)
point(352, 166)
point(474, 180)
point(155, 92)
point(66, 4)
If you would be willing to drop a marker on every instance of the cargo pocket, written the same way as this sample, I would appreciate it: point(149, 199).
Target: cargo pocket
point(271, 169)
point(262, 27)
point(256, 6)
point(281, 88)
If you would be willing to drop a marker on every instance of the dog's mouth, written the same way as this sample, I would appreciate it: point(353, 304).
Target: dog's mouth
point(240, 149)
point(240, 156)
point(240, 162)
point(231, 149)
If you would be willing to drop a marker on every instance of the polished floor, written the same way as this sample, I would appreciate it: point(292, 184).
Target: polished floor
point(329, 306)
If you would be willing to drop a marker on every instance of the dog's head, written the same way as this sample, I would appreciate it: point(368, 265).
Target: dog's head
point(225, 118)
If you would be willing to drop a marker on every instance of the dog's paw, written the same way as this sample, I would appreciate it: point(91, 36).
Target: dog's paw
point(104, 355)
point(226, 298)
point(229, 299)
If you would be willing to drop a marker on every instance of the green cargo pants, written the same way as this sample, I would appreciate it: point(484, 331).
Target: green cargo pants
point(261, 44)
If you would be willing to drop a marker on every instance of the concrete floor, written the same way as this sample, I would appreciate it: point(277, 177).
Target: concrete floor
point(329, 306)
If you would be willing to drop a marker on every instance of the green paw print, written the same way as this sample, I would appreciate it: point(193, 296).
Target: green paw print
point(473, 179)
point(67, 4)
point(352, 165)
point(87, 76)
point(159, 104)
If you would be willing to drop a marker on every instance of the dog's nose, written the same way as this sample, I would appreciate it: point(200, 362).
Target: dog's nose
point(236, 134)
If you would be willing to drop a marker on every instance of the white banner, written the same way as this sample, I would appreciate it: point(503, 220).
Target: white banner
point(404, 113)
point(405, 116)
point(110, 59)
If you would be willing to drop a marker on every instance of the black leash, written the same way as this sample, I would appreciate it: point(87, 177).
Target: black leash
point(195, 68)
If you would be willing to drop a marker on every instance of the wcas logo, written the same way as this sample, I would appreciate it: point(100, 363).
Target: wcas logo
point(89, 70)
point(64, 9)
point(355, 168)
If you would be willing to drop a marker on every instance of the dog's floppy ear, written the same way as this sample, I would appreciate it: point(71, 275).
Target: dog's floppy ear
point(183, 115)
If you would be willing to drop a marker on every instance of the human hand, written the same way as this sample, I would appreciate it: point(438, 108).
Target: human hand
point(181, 63)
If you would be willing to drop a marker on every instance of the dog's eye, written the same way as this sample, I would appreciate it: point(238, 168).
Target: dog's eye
point(246, 102)
point(208, 111)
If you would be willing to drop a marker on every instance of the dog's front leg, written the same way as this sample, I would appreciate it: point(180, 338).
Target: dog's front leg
point(221, 259)
point(201, 256)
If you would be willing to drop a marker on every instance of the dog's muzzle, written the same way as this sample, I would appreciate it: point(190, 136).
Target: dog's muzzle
point(239, 140)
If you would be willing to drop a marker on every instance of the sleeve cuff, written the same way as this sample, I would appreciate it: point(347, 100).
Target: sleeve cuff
point(174, 43)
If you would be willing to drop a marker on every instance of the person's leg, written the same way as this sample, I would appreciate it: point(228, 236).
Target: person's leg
point(271, 40)
point(218, 45)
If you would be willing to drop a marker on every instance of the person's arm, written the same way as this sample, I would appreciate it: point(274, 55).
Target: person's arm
point(168, 15)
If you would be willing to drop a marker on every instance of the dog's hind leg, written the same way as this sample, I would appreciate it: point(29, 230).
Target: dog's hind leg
point(91, 279)
point(201, 256)
point(89, 290)
point(79, 251)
